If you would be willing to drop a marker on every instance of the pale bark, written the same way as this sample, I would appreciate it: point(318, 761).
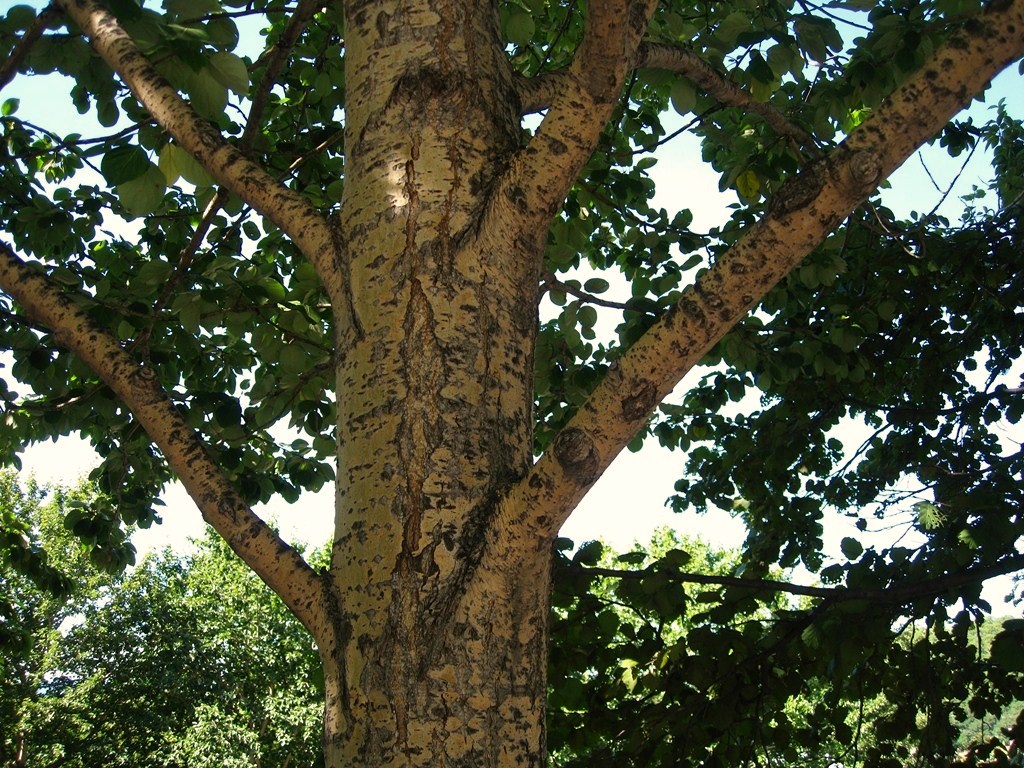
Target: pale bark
point(534, 187)
point(438, 658)
point(442, 637)
point(804, 211)
point(280, 566)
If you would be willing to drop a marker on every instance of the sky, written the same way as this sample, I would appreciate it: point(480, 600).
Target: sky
point(627, 503)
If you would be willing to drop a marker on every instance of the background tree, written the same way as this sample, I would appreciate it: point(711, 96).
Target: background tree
point(185, 661)
point(347, 233)
point(192, 661)
point(46, 579)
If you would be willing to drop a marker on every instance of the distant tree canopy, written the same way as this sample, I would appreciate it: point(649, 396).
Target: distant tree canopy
point(413, 249)
point(190, 661)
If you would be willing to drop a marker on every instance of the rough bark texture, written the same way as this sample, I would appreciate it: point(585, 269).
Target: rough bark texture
point(431, 622)
point(440, 649)
point(440, 659)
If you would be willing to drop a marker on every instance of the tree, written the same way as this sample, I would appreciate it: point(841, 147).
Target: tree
point(186, 661)
point(38, 597)
point(360, 257)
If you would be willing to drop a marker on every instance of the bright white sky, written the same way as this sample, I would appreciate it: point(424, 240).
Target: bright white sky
point(627, 503)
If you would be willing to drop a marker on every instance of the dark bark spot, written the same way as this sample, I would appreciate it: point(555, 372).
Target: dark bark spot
point(517, 196)
point(575, 453)
point(640, 401)
point(798, 192)
point(382, 21)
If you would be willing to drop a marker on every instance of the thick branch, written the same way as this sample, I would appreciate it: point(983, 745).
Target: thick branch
point(537, 93)
point(684, 61)
point(280, 566)
point(805, 210)
point(10, 67)
point(894, 595)
point(226, 164)
point(582, 100)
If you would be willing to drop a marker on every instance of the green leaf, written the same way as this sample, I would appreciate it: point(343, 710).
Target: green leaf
point(293, 359)
point(230, 71)
point(596, 285)
point(209, 97)
point(929, 516)
point(20, 17)
point(124, 163)
point(589, 554)
point(10, 106)
point(1007, 649)
point(144, 194)
point(107, 113)
point(851, 547)
point(175, 162)
point(748, 185)
point(683, 96)
point(519, 28)
point(587, 316)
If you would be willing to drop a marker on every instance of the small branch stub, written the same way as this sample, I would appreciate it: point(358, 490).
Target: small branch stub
point(863, 171)
point(799, 191)
point(640, 401)
point(576, 454)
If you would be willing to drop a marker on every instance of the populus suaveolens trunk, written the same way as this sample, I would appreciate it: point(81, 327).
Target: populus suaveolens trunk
point(440, 655)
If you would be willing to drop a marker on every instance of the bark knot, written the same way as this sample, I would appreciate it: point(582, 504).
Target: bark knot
point(575, 452)
point(799, 191)
point(864, 169)
point(639, 402)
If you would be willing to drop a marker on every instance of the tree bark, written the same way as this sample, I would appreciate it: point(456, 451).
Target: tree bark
point(439, 656)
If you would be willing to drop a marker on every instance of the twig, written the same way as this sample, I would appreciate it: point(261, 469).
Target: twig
point(553, 283)
point(278, 57)
point(686, 62)
point(903, 593)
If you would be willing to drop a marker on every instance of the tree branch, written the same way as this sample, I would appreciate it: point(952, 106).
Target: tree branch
point(287, 209)
point(552, 283)
point(537, 93)
point(896, 595)
point(280, 566)
point(10, 67)
point(583, 98)
point(803, 212)
point(683, 61)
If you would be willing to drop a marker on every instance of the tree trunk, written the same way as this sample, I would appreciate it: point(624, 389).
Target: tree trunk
point(440, 652)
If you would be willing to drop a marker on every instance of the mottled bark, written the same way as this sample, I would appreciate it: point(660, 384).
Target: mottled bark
point(440, 657)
